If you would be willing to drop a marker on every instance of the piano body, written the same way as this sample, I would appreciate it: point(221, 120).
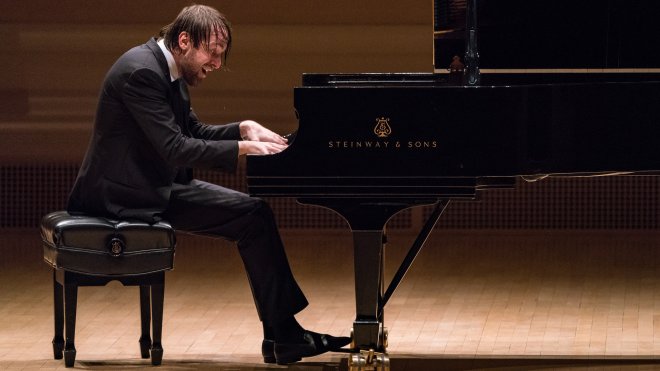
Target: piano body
point(563, 88)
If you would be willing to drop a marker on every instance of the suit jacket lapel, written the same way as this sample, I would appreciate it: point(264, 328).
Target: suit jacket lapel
point(181, 105)
point(180, 97)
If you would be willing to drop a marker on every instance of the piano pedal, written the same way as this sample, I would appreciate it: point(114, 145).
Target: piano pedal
point(369, 360)
point(383, 334)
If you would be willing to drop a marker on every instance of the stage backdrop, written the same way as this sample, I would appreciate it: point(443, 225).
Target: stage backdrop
point(56, 54)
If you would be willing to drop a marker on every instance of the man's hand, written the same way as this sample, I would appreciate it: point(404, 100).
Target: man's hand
point(248, 147)
point(257, 140)
point(251, 130)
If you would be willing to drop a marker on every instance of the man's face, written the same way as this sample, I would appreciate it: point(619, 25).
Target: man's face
point(195, 63)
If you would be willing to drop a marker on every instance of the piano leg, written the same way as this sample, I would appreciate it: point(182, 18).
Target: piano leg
point(368, 262)
point(369, 335)
point(370, 297)
point(367, 220)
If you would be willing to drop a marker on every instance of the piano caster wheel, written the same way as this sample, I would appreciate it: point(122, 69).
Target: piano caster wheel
point(368, 360)
point(356, 362)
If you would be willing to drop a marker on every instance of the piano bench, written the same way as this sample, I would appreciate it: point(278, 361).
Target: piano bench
point(92, 251)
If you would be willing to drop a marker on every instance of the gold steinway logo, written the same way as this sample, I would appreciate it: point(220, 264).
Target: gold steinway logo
point(383, 129)
point(384, 141)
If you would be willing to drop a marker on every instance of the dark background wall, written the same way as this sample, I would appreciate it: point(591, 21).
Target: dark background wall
point(56, 53)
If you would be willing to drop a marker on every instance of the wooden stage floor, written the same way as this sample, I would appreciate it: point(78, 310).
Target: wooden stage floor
point(473, 300)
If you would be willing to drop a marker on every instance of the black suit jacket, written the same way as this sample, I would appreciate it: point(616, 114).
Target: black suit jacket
point(145, 138)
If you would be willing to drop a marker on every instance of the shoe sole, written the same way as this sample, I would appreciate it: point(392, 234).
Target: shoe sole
point(285, 361)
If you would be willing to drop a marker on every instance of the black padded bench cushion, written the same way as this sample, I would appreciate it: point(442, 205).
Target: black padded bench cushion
point(104, 247)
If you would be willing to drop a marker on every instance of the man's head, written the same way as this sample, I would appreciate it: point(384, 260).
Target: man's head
point(200, 40)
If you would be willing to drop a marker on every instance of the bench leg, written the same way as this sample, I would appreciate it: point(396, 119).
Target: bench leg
point(70, 302)
point(157, 298)
point(58, 306)
point(145, 316)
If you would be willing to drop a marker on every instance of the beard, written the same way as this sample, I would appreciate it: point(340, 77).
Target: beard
point(191, 72)
point(192, 76)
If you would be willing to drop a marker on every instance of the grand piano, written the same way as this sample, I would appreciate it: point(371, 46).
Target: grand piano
point(520, 89)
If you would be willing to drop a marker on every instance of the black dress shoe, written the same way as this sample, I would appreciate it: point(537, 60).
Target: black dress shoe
point(311, 344)
point(268, 351)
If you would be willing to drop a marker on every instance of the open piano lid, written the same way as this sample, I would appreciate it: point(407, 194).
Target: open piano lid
point(551, 34)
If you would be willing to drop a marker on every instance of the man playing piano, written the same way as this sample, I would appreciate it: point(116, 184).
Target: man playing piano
point(145, 140)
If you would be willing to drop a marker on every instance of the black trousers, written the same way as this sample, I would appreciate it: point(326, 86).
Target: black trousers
point(208, 209)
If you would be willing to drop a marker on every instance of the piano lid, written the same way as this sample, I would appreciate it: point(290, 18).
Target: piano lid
point(553, 34)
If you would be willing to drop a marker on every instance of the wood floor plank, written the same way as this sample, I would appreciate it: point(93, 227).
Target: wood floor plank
point(472, 300)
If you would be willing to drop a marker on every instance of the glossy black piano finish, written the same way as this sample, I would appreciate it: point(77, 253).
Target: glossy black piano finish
point(524, 34)
point(371, 145)
point(416, 134)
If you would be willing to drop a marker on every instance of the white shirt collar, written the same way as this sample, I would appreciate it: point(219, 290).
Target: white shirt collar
point(174, 72)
